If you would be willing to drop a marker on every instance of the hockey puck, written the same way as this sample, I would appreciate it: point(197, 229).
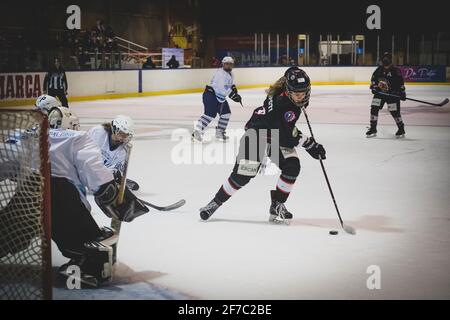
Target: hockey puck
point(333, 232)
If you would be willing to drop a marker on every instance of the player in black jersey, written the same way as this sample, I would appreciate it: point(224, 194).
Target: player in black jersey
point(271, 132)
point(387, 79)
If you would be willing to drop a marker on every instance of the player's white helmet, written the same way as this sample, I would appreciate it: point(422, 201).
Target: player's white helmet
point(123, 124)
point(228, 59)
point(45, 103)
point(62, 118)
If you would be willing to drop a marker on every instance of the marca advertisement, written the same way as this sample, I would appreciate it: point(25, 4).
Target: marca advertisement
point(21, 85)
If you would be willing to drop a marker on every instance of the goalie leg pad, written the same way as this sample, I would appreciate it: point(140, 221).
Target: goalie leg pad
point(95, 260)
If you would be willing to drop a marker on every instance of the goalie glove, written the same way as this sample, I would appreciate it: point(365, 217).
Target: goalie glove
point(128, 210)
point(316, 150)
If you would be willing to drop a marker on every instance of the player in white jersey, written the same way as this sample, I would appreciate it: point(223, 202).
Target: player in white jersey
point(112, 139)
point(77, 164)
point(215, 101)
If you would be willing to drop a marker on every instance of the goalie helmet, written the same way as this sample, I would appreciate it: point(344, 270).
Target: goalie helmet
point(298, 81)
point(45, 103)
point(123, 124)
point(62, 118)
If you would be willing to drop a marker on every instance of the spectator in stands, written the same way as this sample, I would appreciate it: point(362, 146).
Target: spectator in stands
point(149, 63)
point(55, 83)
point(110, 41)
point(173, 63)
point(100, 27)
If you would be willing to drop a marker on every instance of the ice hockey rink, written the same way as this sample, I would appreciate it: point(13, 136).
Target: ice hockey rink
point(394, 192)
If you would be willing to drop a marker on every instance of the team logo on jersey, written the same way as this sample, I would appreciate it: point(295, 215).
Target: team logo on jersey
point(289, 116)
point(260, 111)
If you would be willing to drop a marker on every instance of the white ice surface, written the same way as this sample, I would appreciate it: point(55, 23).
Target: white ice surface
point(396, 193)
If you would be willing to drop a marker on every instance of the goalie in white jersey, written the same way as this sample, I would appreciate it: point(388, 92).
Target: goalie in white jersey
point(77, 164)
point(113, 138)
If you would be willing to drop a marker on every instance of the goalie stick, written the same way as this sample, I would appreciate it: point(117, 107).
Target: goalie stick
point(116, 223)
point(173, 206)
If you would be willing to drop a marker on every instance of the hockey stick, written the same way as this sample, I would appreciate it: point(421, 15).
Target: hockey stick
point(346, 228)
point(174, 206)
point(116, 223)
point(444, 102)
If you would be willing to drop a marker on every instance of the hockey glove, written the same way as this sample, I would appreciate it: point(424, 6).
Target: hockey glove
point(234, 95)
point(117, 176)
point(374, 90)
point(402, 96)
point(133, 185)
point(315, 149)
point(128, 210)
point(298, 136)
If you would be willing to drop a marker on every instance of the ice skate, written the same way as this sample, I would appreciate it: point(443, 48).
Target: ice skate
point(197, 136)
point(207, 211)
point(220, 135)
point(371, 133)
point(400, 132)
point(278, 212)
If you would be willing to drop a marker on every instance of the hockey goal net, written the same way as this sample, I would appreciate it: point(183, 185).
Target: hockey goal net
point(25, 240)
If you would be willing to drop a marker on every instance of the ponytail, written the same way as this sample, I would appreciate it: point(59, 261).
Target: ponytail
point(277, 88)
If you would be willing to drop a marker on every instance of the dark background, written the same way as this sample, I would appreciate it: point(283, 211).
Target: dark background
point(239, 16)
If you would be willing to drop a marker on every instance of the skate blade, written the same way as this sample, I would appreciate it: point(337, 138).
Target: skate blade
point(373, 135)
point(222, 140)
point(274, 219)
point(400, 136)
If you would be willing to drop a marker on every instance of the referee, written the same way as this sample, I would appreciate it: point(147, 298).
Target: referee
point(55, 83)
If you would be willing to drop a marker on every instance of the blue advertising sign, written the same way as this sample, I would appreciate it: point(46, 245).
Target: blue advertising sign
point(423, 73)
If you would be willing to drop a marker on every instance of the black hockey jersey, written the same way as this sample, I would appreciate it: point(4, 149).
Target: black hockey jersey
point(277, 112)
point(392, 77)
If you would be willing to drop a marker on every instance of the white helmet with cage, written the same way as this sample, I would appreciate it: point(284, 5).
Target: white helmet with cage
point(123, 124)
point(62, 118)
point(45, 103)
